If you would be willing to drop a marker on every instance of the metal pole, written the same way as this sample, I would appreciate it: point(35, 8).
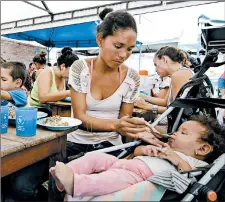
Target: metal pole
point(140, 50)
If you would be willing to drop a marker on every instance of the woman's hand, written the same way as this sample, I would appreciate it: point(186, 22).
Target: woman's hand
point(130, 126)
point(140, 103)
point(151, 139)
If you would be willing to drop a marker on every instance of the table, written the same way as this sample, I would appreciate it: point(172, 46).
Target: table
point(60, 108)
point(20, 152)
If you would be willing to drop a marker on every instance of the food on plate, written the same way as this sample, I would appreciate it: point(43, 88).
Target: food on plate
point(12, 113)
point(55, 121)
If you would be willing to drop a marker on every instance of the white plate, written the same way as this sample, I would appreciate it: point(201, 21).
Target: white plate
point(72, 123)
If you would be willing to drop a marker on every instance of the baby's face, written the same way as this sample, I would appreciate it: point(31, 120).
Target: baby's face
point(7, 82)
point(188, 137)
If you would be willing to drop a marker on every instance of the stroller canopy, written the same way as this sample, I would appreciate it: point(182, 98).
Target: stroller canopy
point(212, 33)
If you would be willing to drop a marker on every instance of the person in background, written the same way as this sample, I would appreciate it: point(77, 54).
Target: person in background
point(169, 61)
point(40, 62)
point(50, 85)
point(221, 85)
point(31, 68)
point(162, 87)
point(33, 77)
point(27, 86)
point(221, 91)
point(13, 76)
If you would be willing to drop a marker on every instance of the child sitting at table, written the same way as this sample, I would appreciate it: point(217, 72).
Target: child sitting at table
point(13, 76)
point(196, 142)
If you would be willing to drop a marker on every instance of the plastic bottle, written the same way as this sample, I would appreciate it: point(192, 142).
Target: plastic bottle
point(144, 87)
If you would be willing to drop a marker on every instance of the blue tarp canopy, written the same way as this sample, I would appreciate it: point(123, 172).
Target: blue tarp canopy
point(75, 35)
point(81, 35)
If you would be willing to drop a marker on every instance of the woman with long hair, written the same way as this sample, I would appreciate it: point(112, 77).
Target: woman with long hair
point(50, 86)
point(169, 61)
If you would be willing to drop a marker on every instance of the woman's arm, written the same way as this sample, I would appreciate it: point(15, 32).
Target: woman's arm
point(125, 125)
point(140, 103)
point(156, 100)
point(163, 93)
point(44, 82)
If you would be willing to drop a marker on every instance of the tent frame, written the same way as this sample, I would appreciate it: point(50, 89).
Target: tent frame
point(91, 14)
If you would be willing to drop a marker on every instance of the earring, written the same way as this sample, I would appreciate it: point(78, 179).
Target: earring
point(196, 153)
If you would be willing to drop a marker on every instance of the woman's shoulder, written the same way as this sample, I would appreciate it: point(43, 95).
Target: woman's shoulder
point(182, 73)
point(43, 72)
point(132, 74)
point(80, 66)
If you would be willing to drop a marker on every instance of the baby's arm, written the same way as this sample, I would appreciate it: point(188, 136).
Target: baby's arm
point(148, 150)
point(175, 159)
point(5, 95)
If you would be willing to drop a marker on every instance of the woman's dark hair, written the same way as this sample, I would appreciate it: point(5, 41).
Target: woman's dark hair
point(33, 76)
point(40, 58)
point(18, 70)
point(30, 64)
point(49, 64)
point(67, 57)
point(175, 54)
point(28, 82)
point(114, 21)
point(214, 135)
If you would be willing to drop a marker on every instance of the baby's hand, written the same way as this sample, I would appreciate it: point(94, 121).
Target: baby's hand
point(150, 150)
point(170, 155)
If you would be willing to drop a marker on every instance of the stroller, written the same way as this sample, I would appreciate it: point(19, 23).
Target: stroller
point(194, 98)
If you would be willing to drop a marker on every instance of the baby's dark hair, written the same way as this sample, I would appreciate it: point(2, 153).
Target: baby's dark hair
point(215, 136)
point(18, 70)
point(40, 58)
point(114, 21)
point(175, 54)
point(67, 57)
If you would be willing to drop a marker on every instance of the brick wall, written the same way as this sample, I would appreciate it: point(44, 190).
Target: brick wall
point(12, 50)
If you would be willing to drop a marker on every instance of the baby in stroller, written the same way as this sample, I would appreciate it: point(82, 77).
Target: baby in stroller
point(196, 143)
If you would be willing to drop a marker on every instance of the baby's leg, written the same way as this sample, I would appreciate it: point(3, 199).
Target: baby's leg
point(64, 177)
point(59, 185)
point(104, 183)
point(92, 163)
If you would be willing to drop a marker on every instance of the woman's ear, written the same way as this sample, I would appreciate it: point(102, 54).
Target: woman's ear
point(99, 39)
point(203, 149)
point(164, 59)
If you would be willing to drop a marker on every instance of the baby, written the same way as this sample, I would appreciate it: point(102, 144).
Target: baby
point(196, 142)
